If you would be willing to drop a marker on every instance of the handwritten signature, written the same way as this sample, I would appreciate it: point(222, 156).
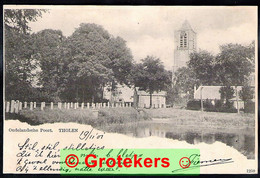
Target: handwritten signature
point(195, 162)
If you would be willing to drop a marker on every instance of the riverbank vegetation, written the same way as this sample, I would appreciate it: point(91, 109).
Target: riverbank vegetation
point(85, 116)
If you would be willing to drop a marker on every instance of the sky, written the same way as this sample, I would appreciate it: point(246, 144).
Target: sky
point(150, 30)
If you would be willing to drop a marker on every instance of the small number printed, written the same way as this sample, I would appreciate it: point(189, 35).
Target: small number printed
point(250, 170)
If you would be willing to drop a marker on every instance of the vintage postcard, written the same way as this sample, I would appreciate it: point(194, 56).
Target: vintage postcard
point(167, 90)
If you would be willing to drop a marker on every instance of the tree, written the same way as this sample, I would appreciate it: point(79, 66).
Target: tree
point(234, 65)
point(121, 60)
point(184, 79)
point(93, 59)
point(48, 48)
point(18, 19)
point(202, 65)
point(246, 94)
point(19, 53)
point(226, 93)
point(151, 76)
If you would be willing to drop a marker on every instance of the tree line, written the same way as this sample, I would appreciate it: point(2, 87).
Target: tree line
point(77, 68)
point(73, 68)
point(232, 66)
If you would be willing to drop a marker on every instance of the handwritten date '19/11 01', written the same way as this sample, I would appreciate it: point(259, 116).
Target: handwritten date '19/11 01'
point(88, 135)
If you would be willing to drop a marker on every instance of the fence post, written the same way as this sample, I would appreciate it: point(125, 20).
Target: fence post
point(7, 107)
point(88, 105)
point(25, 105)
point(68, 105)
point(201, 101)
point(16, 109)
point(71, 105)
point(108, 104)
point(20, 106)
point(65, 105)
point(82, 105)
point(41, 106)
point(51, 105)
point(104, 105)
point(75, 105)
point(12, 106)
point(34, 105)
point(31, 106)
point(93, 105)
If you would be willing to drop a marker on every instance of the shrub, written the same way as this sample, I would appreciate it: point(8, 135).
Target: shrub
point(249, 107)
point(208, 106)
point(194, 105)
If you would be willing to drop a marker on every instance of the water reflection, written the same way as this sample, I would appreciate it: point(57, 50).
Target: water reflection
point(242, 140)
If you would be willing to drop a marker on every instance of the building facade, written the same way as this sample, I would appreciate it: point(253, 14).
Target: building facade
point(142, 99)
point(121, 94)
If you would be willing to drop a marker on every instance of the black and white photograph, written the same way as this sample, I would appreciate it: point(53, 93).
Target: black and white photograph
point(151, 77)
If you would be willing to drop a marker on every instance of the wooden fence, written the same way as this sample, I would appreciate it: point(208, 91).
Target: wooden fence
point(16, 106)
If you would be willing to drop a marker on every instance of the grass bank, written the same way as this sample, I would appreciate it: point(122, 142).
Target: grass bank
point(207, 119)
point(85, 116)
point(178, 117)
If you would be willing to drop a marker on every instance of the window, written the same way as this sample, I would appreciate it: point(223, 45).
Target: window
point(183, 40)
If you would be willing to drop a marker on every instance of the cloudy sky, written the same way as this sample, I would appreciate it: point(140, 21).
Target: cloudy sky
point(150, 30)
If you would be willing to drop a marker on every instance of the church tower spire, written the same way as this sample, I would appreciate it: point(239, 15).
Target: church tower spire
point(185, 42)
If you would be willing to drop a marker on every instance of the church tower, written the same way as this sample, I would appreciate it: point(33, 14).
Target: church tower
point(185, 42)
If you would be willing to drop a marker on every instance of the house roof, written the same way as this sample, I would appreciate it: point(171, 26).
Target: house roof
point(210, 92)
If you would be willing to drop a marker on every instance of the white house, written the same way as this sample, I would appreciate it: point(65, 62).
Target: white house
point(212, 93)
point(142, 99)
point(122, 94)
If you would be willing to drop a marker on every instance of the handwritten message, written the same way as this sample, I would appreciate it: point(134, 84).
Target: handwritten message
point(33, 156)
